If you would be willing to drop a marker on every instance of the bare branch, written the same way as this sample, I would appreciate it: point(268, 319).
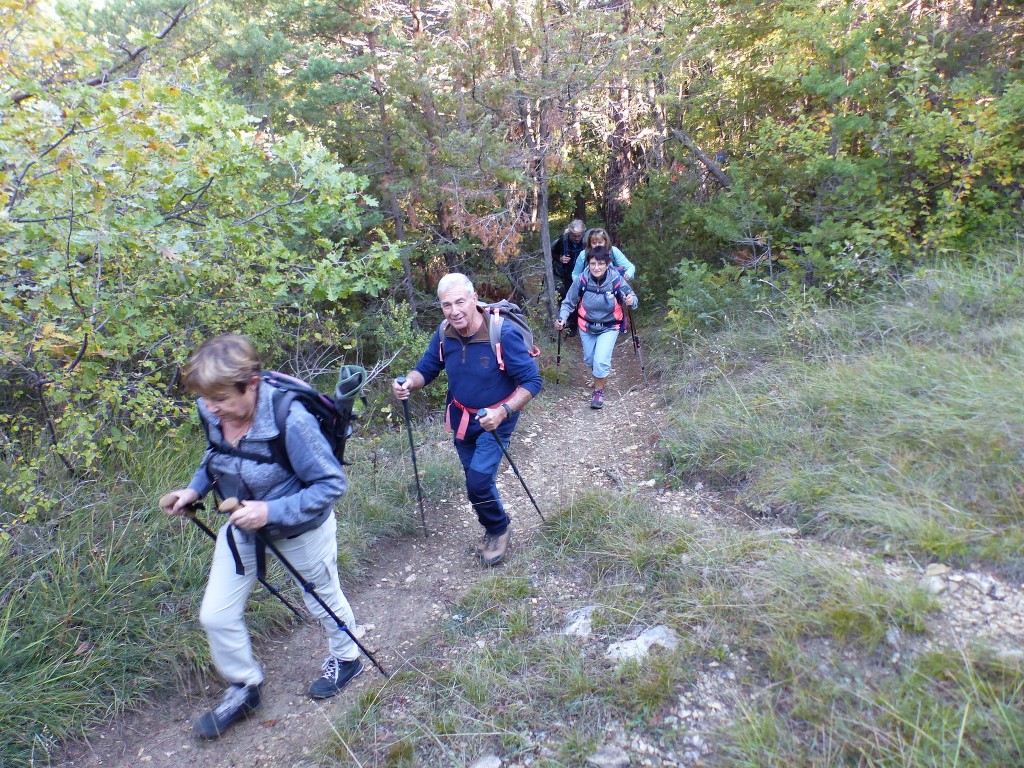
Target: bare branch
point(708, 163)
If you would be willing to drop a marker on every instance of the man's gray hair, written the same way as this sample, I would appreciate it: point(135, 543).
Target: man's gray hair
point(576, 227)
point(454, 280)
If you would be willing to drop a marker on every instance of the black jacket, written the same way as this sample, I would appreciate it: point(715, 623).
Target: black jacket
point(564, 245)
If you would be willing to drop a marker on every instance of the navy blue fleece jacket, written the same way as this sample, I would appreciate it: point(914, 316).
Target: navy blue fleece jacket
point(472, 367)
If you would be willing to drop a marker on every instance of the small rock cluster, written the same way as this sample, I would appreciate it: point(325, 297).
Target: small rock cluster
point(976, 607)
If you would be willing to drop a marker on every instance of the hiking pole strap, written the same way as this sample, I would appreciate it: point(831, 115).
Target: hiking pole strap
point(275, 591)
point(203, 527)
point(508, 458)
point(311, 591)
point(412, 450)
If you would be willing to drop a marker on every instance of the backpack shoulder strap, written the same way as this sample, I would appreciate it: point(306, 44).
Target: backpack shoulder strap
point(283, 400)
point(494, 320)
point(441, 328)
point(229, 451)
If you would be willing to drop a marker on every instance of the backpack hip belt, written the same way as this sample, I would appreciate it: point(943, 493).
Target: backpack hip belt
point(460, 433)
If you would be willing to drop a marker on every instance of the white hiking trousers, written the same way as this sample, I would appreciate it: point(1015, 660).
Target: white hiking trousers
point(314, 554)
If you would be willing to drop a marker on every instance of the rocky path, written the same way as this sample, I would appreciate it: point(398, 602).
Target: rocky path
point(413, 581)
point(408, 587)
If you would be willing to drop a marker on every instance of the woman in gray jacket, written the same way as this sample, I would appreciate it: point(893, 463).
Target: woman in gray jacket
point(600, 294)
point(292, 505)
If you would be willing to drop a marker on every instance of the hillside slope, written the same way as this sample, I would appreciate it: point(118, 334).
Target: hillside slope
point(564, 450)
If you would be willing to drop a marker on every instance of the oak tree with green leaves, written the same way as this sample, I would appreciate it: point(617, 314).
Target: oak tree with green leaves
point(141, 210)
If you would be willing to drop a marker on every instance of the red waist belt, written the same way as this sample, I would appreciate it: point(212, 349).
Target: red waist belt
point(460, 433)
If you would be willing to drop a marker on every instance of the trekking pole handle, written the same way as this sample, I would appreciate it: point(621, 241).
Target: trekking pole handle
point(481, 413)
point(168, 500)
point(229, 505)
point(403, 383)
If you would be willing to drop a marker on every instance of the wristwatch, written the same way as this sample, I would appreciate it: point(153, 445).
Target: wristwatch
point(508, 410)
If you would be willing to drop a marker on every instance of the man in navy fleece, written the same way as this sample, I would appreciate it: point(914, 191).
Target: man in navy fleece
point(461, 347)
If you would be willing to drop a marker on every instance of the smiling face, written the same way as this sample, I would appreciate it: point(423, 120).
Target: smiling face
point(459, 306)
point(598, 267)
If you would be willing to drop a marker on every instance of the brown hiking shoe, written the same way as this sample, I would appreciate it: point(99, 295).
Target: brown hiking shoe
point(495, 546)
point(480, 545)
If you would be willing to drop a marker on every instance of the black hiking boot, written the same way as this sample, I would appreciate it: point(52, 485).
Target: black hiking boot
point(239, 700)
point(337, 673)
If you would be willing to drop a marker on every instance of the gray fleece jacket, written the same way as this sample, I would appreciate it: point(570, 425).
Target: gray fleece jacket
point(298, 499)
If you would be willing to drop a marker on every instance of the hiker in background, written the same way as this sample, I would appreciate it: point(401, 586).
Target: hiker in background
point(293, 506)
point(563, 257)
point(598, 238)
point(461, 347)
point(599, 295)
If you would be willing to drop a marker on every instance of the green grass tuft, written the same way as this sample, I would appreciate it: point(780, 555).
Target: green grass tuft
point(877, 428)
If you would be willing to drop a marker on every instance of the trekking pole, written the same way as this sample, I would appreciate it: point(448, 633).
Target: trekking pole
point(483, 412)
point(558, 357)
point(412, 450)
point(228, 506)
point(275, 591)
point(636, 344)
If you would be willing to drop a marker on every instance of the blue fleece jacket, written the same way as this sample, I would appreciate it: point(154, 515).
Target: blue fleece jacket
point(472, 367)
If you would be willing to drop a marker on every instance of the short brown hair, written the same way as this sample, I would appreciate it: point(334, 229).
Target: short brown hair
point(225, 361)
point(599, 253)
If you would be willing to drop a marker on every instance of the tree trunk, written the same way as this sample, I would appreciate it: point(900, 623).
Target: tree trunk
point(618, 186)
point(619, 176)
point(545, 239)
point(537, 135)
point(580, 210)
point(390, 176)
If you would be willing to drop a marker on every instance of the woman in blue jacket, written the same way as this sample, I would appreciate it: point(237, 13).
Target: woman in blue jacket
point(599, 294)
point(293, 506)
point(597, 238)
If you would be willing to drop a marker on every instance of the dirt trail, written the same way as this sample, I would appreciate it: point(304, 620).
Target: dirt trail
point(409, 586)
point(412, 582)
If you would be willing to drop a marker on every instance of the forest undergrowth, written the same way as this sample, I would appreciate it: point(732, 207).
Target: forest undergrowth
point(843, 452)
point(848, 449)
